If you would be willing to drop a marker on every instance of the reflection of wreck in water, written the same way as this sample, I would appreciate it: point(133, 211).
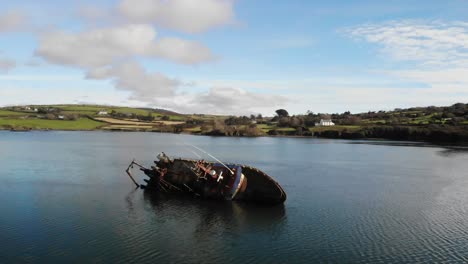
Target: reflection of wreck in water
point(212, 180)
point(213, 215)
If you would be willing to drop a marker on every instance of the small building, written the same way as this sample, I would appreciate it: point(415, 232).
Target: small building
point(102, 112)
point(325, 122)
point(61, 117)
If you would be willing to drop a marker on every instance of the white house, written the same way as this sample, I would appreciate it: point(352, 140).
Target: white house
point(325, 122)
point(102, 112)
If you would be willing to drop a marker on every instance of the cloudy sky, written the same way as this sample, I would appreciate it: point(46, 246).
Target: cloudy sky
point(235, 56)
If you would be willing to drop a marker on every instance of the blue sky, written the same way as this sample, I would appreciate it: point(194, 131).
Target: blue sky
point(235, 56)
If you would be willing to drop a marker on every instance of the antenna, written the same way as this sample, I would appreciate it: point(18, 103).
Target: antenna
point(212, 157)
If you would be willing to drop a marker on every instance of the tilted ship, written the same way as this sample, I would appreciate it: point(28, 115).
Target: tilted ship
point(210, 180)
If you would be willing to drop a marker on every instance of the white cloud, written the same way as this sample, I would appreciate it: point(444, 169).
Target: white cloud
point(437, 51)
point(158, 90)
point(357, 92)
point(11, 21)
point(97, 47)
point(431, 43)
point(144, 86)
point(109, 54)
point(223, 100)
point(6, 64)
point(182, 51)
point(235, 100)
point(106, 46)
point(112, 40)
point(190, 16)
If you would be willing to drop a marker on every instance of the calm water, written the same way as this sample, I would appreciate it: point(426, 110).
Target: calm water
point(64, 197)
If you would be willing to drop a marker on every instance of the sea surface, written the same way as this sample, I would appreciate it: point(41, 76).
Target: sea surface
point(64, 197)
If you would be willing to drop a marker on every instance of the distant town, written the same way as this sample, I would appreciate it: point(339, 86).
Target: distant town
point(444, 124)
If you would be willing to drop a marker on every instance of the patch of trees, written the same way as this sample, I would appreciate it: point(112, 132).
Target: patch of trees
point(51, 116)
point(193, 122)
point(454, 115)
point(236, 121)
point(220, 128)
point(148, 118)
point(296, 121)
point(282, 113)
point(47, 110)
point(434, 133)
point(116, 114)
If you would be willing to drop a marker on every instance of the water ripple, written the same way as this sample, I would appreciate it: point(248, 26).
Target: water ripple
point(347, 203)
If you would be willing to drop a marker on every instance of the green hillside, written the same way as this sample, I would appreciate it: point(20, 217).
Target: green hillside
point(448, 123)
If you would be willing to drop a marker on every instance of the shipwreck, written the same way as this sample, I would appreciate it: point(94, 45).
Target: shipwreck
point(209, 180)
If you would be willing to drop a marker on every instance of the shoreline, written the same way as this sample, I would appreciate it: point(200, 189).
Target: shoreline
point(461, 144)
point(447, 125)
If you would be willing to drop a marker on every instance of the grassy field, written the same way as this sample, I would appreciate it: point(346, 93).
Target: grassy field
point(176, 118)
point(50, 117)
point(193, 130)
point(12, 113)
point(285, 129)
point(86, 113)
point(16, 118)
point(92, 110)
point(129, 110)
point(80, 124)
point(79, 108)
point(265, 128)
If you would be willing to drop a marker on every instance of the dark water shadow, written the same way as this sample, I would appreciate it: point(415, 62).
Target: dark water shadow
point(129, 200)
point(450, 152)
point(459, 148)
point(230, 214)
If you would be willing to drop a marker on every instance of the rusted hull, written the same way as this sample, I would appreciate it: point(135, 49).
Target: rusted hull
point(261, 187)
point(258, 187)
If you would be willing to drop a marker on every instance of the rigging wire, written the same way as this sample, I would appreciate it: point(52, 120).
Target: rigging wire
point(211, 156)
